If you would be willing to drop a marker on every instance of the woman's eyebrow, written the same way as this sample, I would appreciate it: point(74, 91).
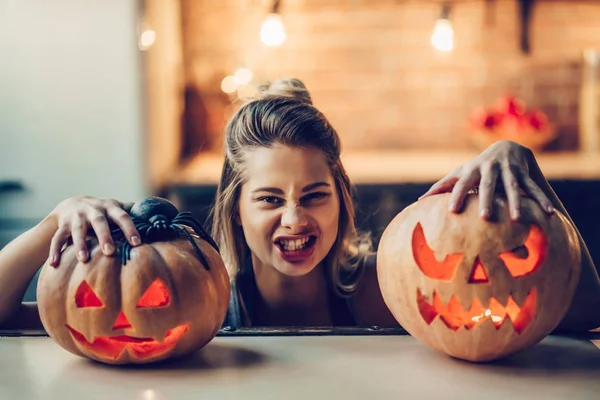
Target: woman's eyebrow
point(315, 185)
point(268, 189)
point(306, 188)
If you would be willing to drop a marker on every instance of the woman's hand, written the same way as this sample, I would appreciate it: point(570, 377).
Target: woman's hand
point(504, 161)
point(76, 215)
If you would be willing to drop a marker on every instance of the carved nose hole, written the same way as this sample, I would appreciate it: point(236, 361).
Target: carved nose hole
point(121, 322)
point(478, 275)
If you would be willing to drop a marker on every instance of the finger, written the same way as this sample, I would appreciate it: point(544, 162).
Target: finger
point(124, 222)
point(79, 235)
point(510, 178)
point(444, 185)
point(58, 240)
point(538, 194)
point(460, 190)
point(487, 187)
point(102, 231)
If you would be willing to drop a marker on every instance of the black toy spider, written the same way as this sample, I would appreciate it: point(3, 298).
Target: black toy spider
point(159, 228)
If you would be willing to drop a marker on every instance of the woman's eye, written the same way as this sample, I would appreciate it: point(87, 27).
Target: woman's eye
point(315, 196)
point(271, 200)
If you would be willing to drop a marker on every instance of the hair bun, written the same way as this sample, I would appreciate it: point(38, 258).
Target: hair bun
point(288, 87)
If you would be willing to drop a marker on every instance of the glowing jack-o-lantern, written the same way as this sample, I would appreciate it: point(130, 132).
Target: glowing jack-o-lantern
point(474, 289)
point(165, 298)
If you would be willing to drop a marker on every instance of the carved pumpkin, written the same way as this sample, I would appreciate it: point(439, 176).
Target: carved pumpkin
point(474, 289)
point(165, 298)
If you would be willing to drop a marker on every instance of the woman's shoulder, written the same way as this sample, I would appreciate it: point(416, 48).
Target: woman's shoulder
point(369, 302)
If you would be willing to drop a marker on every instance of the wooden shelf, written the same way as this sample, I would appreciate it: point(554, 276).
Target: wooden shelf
point(381, 167)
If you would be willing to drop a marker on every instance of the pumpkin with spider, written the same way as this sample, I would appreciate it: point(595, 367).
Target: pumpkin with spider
point(165, 298)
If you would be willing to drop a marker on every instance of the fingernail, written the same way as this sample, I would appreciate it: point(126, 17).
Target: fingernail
point(52, 260)
point(82, 255)
point(135, 241)
point(108, 248)
point(550, 209)
point(451, 206)
point(484, 213)
point(515, 215)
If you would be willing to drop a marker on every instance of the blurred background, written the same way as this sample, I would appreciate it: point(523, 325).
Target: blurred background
point(128, 98)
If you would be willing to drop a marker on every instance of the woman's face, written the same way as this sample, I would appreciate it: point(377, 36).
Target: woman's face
point(289, 208)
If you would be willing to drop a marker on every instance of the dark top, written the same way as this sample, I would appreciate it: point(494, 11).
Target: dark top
point(244, 292)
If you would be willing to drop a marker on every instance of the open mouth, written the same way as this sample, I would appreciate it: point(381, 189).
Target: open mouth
point(454, 315)
point(296, 245)
point(141, 348)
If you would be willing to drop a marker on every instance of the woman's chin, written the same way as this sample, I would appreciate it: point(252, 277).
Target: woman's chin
point(295, 268)
point(292, 264)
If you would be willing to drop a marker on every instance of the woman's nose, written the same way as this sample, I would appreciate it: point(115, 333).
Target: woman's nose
point(293, 217)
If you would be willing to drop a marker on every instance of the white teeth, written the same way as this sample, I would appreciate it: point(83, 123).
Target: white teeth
point(294, 244)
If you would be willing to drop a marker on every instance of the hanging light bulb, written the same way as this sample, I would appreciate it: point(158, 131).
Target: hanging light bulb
point(243, 76)
point(229, 85)
point(272, 31)
point(147, 39)
point(146, 35)
point(443, 33)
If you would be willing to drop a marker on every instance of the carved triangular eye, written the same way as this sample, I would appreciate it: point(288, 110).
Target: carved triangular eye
point(157, 295)
point(521, 263)
point(85, 296)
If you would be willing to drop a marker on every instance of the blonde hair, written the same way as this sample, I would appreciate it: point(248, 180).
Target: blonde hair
point(283, 114)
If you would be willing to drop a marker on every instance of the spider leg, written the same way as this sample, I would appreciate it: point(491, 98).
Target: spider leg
point(125, 253)
point(187, 218)
point(195, 245)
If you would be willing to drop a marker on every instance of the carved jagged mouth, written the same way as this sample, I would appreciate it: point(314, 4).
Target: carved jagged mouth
point(140, 348)
point(454, 315)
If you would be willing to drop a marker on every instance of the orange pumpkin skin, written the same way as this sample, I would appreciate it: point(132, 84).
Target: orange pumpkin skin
point(106, 319)
point(454, 282)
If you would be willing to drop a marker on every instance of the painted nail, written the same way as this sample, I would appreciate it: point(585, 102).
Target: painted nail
point(52, 260)
point(135, 241)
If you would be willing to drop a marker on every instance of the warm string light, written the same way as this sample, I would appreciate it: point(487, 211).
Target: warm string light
point(146, 36)
point(239, 82)
point(272, 31)
point(443, 32)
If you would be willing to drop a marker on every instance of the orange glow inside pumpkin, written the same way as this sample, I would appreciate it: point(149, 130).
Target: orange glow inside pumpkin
point(85, 296)
point(536, 246)
point(140, 348)
point(478, 275)
point(157, 295)
point(121, 322)
point(426, 261)
point(454, 315)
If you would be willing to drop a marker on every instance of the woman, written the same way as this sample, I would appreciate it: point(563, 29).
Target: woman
point(284, 221)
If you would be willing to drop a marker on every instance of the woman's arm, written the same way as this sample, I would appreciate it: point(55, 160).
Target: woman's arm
point(23, 257)
point(584, 313)
point(19, 261)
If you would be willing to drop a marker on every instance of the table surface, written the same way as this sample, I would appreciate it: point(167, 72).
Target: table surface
point(305, 367)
